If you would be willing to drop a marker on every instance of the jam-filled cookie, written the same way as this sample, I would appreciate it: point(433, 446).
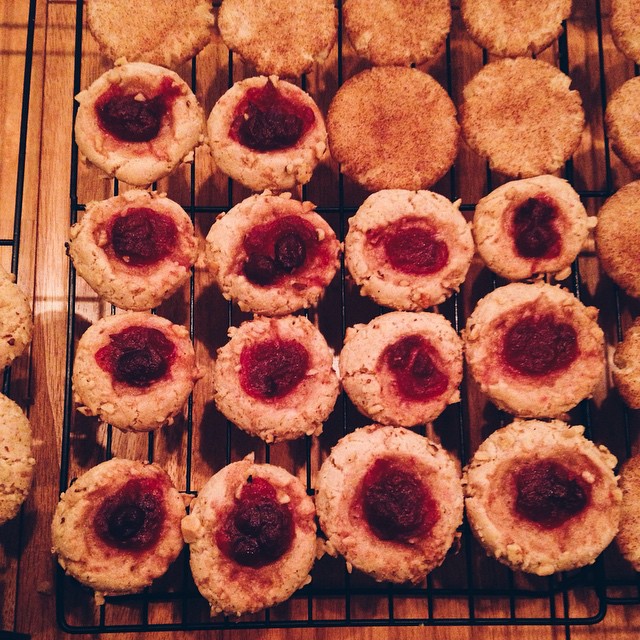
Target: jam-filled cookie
point(622, 125)
point(267, 134)
point(117, 527)
point(541, 498)
point(531, 226)
point(138, 122)
point(408, 249)
point(389, 501)
point(166, 35)
point(628, 538)
point(397, 32)
point(16, 322)
point(252, 537)
point(393, 128)
point(272, 254)
point(275, 378)
point(281, 37)
point(625, 27)
point(402, 368)
point(16, 460)
point(534, 349)
point(521, 115)
point(134, 370)
point(626, 366)
point(135, 250)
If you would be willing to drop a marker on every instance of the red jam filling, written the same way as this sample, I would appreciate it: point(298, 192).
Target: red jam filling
point(411, 361)
point(396, 503)
point(142, 236)
point(536, 346)
point(258, 530)
point(132, 518)
point(548, 494)
point(273, 368)
point(534, 230)
point(137, 356)
point(266, 120)
point(130, 119)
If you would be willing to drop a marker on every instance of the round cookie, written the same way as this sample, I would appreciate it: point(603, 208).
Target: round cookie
point(626, 366)
point(117, 527)
point(134, 370)
point(137, 122)
point(134, 250)
point(628, 538)
point(625, 27)
point(166, 36)
point(16, 461)
point(252, 537)
point(618, 238)
point(521, 115)
point(402, 368)
point(267, 134)
point(534, 349)
point(272, 254)
point(389, 501)
point(541, 498)
point(531, 226)
point(397, 32)
point(281, 37)
point(514, 27)
point(16, 322)
point(393, 128)
point(622, 125)
point(408, 250)
point(275, 379)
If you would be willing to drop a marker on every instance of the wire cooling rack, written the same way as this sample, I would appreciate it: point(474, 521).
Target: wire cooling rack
point(468, 589)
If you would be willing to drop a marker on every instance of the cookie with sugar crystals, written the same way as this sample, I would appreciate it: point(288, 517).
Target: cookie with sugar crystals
point(625, 27)
point(522, 116)
point(628, 538)
point(626, 366)
point(16, 321)
point(621, 123)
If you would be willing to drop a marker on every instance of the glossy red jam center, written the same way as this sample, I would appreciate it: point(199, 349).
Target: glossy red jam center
point(548, 494)
point(411, 362)
point(132, 518)
point(534, 228)
point(266, 120)
point(396, 504)
point(137, 356)
point(273, 368)
point(143, 236)
point(258, 530)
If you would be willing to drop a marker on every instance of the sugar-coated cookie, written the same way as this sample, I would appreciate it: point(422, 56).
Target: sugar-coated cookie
point(16, 321)
point(628, 538)
point(622, 125)
point(625, 27)
point(626, 366)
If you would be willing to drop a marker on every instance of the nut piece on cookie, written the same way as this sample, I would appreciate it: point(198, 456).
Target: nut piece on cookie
point(622, 125)
point(16, 321)
point(626, 366)
point(628, 538)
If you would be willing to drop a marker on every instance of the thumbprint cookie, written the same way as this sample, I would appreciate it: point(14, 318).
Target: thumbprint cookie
point(628, 538)
point(16, 321)
point(626, 366)
point(622, 125)
point(625, 27)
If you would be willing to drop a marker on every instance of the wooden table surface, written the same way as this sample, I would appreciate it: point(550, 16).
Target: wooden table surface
point(27, 600)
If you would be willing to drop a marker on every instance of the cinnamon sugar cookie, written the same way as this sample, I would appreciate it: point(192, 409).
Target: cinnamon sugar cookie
point(626, 366)
point(16, 322)
point(391, 127)
point(521, 115)
point(625, 27)
point(534, 349)
point(135, 250)
point(628, 538)
point(281, 37)
point(389, 501)
point(621, 122)
point(252, 537)
point(541, 498)
point(138, 122)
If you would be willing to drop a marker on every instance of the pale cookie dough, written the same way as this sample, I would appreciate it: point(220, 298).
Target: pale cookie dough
point(531, 226)
point(621, 122)
point(397, 32)
point(551, 368)
point(166, 35)
point(233, 588)
point(136, 284)
point(402, 368)
point(343, 502)
point(626, 366)
point(393, 128)
point(16, 461)
point(16, 322)
point(140, 162)
point(514, 27)
point(268, 228)
point(541, 498)
point(279, 168)
point(428, 228)
point(625, 27)
point(628, 538)
point(157, 396)
point(281, 37)
point(275, 379)
point(117, 527)
point(521, 115)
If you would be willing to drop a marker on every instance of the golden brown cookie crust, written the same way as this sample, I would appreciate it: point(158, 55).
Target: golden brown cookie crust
point(521, 115)
point(378, 136)
point(628, 538)
point(622, 125)
point(625, 27)
point(626, 366)
point(16, 321)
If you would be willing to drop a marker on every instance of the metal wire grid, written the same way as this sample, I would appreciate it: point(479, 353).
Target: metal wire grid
point(556, 595)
